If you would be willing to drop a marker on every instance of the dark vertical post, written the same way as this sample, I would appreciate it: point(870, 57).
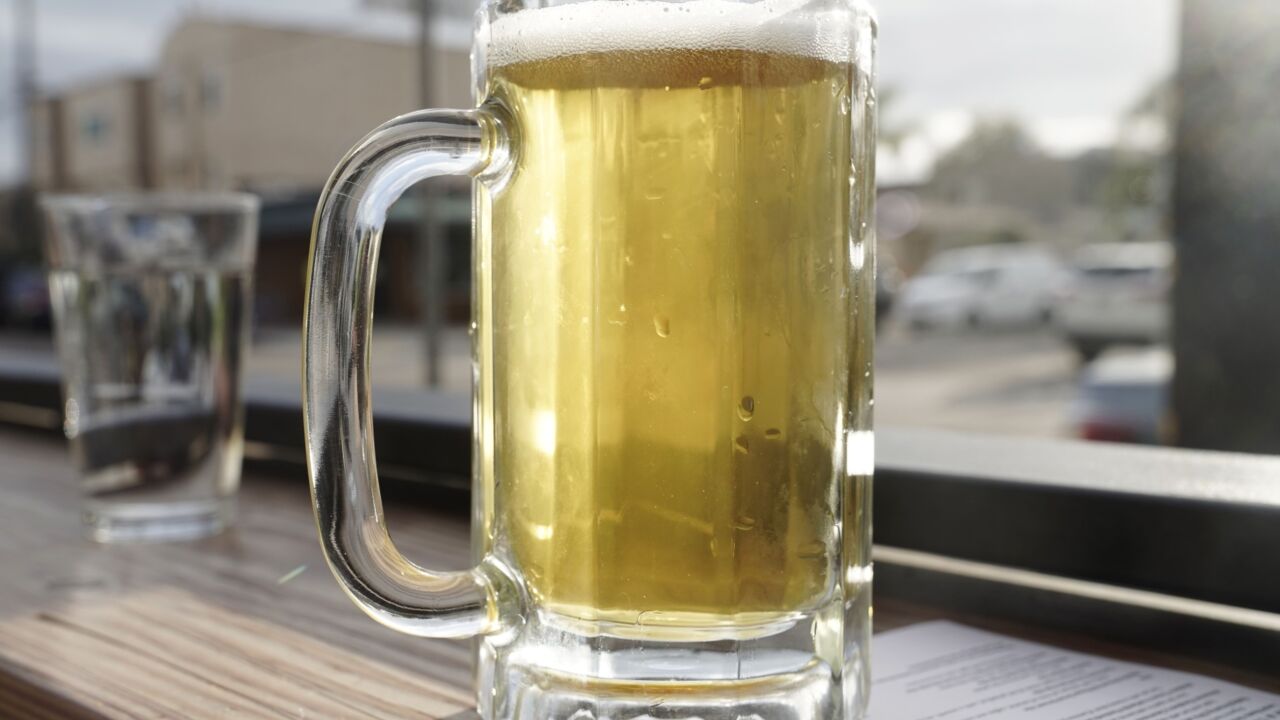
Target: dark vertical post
point(144, 134)
point(1226, 335)
point(431, 250)
point(60, 163)
point(24, 68)
point(19, 223)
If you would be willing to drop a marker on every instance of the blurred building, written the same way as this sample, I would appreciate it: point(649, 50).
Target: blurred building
point(235, 105)
point(98, 137)
point(999, 186)
point(269, 109)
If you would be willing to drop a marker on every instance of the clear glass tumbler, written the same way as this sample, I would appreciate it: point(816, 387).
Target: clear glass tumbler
point(673, 315)
point(151, 298)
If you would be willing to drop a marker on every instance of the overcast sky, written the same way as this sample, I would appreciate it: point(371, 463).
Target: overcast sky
point(1066, 68)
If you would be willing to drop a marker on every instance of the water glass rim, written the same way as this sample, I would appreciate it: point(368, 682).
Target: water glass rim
point(164, 201)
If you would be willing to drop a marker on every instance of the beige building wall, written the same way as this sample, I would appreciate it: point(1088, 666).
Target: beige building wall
point(94, 137)
point(272, 109)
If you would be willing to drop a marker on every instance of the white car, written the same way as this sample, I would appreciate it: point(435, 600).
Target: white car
point(1117, 294)
point(986, 285)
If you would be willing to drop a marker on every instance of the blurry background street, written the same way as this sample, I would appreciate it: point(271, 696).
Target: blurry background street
point(1012, 382)
point(1029, 270)
point(1019, 383)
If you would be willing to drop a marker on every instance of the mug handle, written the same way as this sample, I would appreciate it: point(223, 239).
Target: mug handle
point(335, 400)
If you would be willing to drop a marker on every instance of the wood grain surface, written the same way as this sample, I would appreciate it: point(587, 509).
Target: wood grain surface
point(265, 581)
point(167, 653)
point(249, 624)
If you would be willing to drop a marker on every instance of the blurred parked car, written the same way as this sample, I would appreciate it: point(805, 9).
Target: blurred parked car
point(1123, 397)
point(24, 298)
point(1116, 294)
point(988, 285)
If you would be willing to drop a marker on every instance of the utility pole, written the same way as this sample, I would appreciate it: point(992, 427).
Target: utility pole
point(24, 68)
point(432, 253)
point(18, 217)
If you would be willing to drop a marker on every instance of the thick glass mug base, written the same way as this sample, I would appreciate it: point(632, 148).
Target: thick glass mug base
point(124, 522)
point(807, 666)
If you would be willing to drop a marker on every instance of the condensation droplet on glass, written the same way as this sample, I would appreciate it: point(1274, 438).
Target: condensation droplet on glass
point(846, 105)
point(704, 83)
point(662, 325)
point(744, 522)
point(747, 408)
point(772, 434)
point(622, 307)
point(742, 445)
point(628, 261)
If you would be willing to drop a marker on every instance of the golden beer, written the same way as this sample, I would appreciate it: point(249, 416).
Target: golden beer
point(675, 313)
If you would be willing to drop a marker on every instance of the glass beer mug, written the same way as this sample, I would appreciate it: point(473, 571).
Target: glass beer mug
point(673, 312)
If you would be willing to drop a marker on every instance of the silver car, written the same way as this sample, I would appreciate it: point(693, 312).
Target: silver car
point(1116, 294)
point(982, 286)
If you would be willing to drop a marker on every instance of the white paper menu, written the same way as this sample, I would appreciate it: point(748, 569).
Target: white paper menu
point(945, 671)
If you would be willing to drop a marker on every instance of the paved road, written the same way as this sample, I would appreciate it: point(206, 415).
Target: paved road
point(1003, 382)
point(1006, 382)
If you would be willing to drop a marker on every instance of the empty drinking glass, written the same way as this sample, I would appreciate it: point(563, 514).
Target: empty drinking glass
point(151, 298)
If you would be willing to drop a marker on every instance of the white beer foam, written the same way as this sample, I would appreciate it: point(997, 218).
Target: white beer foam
point(785, 27)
